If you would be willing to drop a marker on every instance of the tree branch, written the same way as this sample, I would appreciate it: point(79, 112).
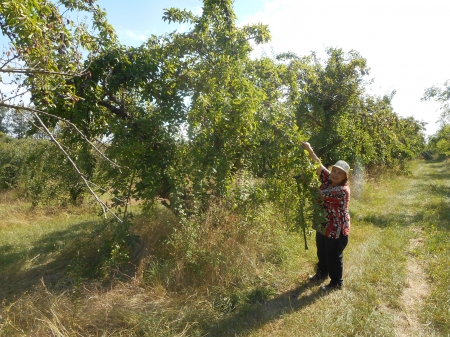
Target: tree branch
point(37, 71)
point(313, 119)
point(119, 112)
point(320, 152)
point(105, 208)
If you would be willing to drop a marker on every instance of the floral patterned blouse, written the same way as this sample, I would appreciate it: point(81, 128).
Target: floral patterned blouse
point(335, 202)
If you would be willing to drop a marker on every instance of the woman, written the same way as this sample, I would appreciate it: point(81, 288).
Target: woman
point(332, 233)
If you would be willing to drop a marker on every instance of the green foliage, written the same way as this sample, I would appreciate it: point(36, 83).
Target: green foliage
point(441, 95)
point(341, 120)
point(324, 93)
point(140, 97)
point(438, 146)
point(39, 172)
point(105, 255)
point(245, 272)
point(45, 39)
point(381, 138)
point(115, 252)
point(12, 161)
point(3, 120)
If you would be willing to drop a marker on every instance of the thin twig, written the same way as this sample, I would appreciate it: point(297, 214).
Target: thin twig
point(106, 191)
point(38, 71)
point(89, 181)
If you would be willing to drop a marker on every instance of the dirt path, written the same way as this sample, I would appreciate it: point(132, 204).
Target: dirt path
point(407, 321)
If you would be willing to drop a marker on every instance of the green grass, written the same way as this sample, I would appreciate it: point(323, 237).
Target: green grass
point(435, 187)
point(223, 275)
point(36, 247)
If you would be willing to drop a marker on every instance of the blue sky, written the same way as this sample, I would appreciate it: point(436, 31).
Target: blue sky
point(406, 43)
point(136, 19)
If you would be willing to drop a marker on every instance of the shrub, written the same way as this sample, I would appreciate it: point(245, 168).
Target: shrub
point(39, 172)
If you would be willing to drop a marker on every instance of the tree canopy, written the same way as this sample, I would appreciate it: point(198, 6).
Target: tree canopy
point(179, 116)
point(439, 144)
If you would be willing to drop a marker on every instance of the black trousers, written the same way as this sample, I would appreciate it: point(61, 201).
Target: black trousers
point(331, 256)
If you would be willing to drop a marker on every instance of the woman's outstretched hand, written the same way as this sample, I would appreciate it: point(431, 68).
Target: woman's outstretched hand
point(307, 146)
point(311, 153)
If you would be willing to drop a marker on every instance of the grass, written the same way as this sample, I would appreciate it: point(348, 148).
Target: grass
point(436, 254)
point(224, 275)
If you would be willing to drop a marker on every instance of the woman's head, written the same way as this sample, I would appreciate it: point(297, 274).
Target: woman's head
point(339, 173)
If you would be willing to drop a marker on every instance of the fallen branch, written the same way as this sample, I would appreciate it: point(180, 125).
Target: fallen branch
point(104, 207)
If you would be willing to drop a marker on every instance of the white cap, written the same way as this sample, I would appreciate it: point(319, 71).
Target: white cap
point(343, 166)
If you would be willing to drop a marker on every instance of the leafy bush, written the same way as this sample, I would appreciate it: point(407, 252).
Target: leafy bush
point(38, 171)
point(13, 155)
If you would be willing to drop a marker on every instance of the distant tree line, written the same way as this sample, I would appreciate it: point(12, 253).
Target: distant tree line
point(438, 146)
point(13, 123)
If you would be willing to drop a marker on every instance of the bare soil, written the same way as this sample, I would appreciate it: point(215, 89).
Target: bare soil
point(407, 322)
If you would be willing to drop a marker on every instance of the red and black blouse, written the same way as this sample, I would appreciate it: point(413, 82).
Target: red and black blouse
point(335, 202)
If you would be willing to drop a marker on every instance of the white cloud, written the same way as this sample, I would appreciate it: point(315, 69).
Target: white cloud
point(197, 10)
point(133, 36)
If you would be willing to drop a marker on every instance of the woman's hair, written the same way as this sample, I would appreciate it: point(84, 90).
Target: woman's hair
point(345, 182)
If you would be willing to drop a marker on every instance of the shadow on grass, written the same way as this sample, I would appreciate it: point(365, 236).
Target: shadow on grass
point(434, 182)
point(430, 201)
point(437, 176)
point(242, 322)
point(440, 166)
point(438, 190)
point(47, 261)
point(398, 219)
point(436, 185)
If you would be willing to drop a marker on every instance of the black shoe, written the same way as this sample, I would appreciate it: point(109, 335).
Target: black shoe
point(317, 277)
point(332, 286)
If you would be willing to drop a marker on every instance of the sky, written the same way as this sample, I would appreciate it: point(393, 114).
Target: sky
point(405, 42)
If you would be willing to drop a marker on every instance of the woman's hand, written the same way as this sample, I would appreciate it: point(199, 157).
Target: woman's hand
point(306, 145)
point(308, 148)
point(313, 156)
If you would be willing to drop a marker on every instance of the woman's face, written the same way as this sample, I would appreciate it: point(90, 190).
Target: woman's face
point(337, 176)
